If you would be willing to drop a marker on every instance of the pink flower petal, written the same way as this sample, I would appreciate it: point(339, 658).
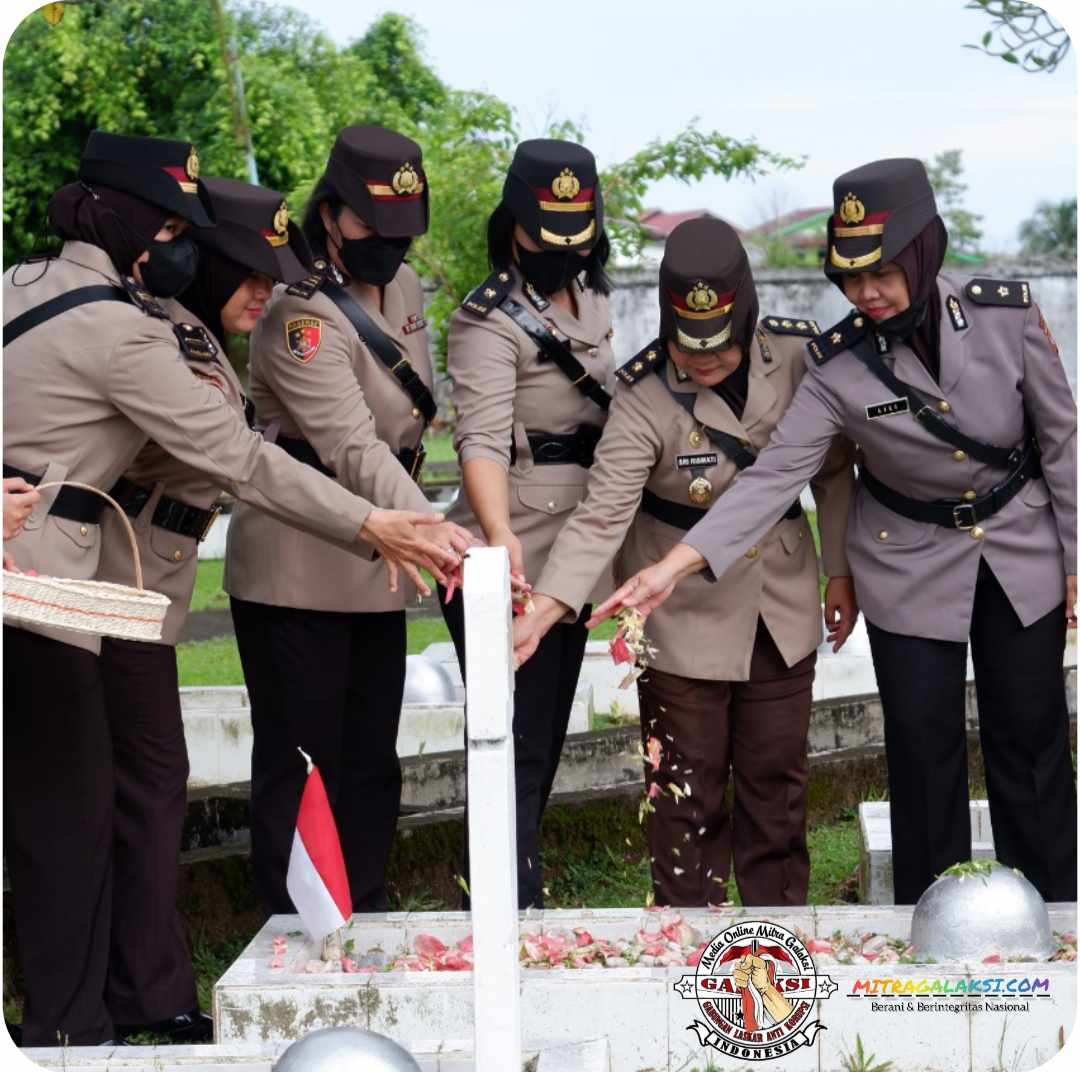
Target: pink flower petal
point(694, 957)
point(276, 962)
point(427, 945)
point(994, 958)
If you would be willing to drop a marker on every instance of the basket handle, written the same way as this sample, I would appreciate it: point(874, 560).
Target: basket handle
point(117, 507)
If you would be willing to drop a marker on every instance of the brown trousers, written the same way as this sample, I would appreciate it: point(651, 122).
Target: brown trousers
point(756, 728)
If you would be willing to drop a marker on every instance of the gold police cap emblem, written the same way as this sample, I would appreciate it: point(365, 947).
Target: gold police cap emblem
point(192, 165)
point(405, 180)
point(852, 210)
point(701, 297)
point(565, 185)
point(281, 219)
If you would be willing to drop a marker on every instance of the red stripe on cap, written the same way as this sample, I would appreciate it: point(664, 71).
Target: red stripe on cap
point(679, 301)
point(544, 193)
point(178, 173)
point(869, 218)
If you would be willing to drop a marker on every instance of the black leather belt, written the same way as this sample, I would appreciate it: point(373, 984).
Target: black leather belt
point(72, 504)
point(171, 514)
point(411, 459)
point(575, 448)
point(684, 517)
point(957, 513)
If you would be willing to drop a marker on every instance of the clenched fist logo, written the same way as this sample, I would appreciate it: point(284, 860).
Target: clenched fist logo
point(752, 970)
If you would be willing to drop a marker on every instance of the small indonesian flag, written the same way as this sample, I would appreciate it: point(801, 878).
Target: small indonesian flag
point(317, 882)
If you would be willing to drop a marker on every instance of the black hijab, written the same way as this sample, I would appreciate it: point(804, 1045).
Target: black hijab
point(117, 222)
point(920, 323)
point(215, 283)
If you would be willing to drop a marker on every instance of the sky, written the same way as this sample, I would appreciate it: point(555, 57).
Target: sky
point(840, 82)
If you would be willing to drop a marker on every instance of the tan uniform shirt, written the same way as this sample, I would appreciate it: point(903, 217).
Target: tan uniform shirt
point(502, 389)
point(917, 578)
point(169, 560)
point(84, 391)
point(349, 407)
point(705, 631)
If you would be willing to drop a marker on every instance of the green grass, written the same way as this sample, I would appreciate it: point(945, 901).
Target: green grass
point(209, 662)
point(208, 594)
point(439, 446)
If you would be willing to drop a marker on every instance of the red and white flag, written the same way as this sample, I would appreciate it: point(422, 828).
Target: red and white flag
point(317, 881)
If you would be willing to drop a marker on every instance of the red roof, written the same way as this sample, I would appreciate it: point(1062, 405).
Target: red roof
point(658, 224)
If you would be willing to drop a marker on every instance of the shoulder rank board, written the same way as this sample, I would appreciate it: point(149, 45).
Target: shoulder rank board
point(651, 359)
point(1012, 292)
point(783, 325)
point(322, 270)
point(143, 299)
point(490, 294)
point(195, 342)
point(826, 345)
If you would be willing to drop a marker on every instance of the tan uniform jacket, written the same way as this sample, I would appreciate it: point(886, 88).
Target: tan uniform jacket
point(502, 390)
point(918, 578)
point(84, 391)
point(169, 560)
point(705, 631)
point(349, 407)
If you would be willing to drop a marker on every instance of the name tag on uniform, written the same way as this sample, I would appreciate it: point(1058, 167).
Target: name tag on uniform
point(696, 461)
point(887, 409)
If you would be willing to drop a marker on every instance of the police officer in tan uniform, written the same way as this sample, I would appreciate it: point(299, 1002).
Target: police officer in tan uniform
point(341, 379)
point(963, 526)
point(93, 367)
point(530, 356)
point(172, 507)
point(731, 681)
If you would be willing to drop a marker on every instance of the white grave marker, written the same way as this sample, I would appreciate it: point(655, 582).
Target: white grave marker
point(492, 810)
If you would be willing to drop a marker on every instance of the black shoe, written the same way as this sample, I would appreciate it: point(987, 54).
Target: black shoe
point(194, 1026)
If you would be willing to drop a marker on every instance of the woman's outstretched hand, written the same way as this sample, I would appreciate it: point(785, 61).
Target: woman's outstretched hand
point(648, 588)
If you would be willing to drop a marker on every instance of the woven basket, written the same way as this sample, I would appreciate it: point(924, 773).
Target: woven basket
point(97, 607)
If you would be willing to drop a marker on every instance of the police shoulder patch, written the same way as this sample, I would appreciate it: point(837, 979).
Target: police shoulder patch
point(142, 299)
point(195, 342)
point(786, 325)
point(1012, 292)
point(650, 359)
point(303, 337)
point(835, 340)
point(490, 294)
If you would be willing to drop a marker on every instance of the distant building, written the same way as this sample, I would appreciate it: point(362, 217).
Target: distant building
point(800, 236)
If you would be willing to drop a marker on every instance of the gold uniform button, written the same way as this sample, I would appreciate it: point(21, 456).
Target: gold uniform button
point(416, 413)
point(593, 351)
point(753, 552)
point(970, 495)
point(178, 556)
point(83, 530)
point(977, 533)
point(976, 289)
point(695, 438)
point(883, 534)
point(944, 407)
point(959, 456)
point(858, 321)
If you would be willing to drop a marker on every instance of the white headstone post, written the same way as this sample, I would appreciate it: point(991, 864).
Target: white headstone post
point(492, 830)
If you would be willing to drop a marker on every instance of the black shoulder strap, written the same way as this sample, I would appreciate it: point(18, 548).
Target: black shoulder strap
point(32, 318)
point(867, 352)
point(551, 348)
point(732, 446)
point(384, 348)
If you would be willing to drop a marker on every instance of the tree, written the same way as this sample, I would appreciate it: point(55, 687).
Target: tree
point(1023, 34)
point(157, 67)
point(945, 171)
point(1052, 230)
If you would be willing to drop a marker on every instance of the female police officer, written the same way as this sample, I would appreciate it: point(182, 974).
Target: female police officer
point(964, 526)
point(731, 681)
point(151, 985)
point(531, 361)
point(93, 368)
point(341, 379)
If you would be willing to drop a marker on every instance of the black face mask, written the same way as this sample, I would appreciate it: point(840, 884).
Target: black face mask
point(374, 260)
point(171, 267)
point(549, 272)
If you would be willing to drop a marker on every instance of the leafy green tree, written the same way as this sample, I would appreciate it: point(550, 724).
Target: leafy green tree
point(1023, 34)
point(1052, 230)
point(945, 172)
point(158, 67)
